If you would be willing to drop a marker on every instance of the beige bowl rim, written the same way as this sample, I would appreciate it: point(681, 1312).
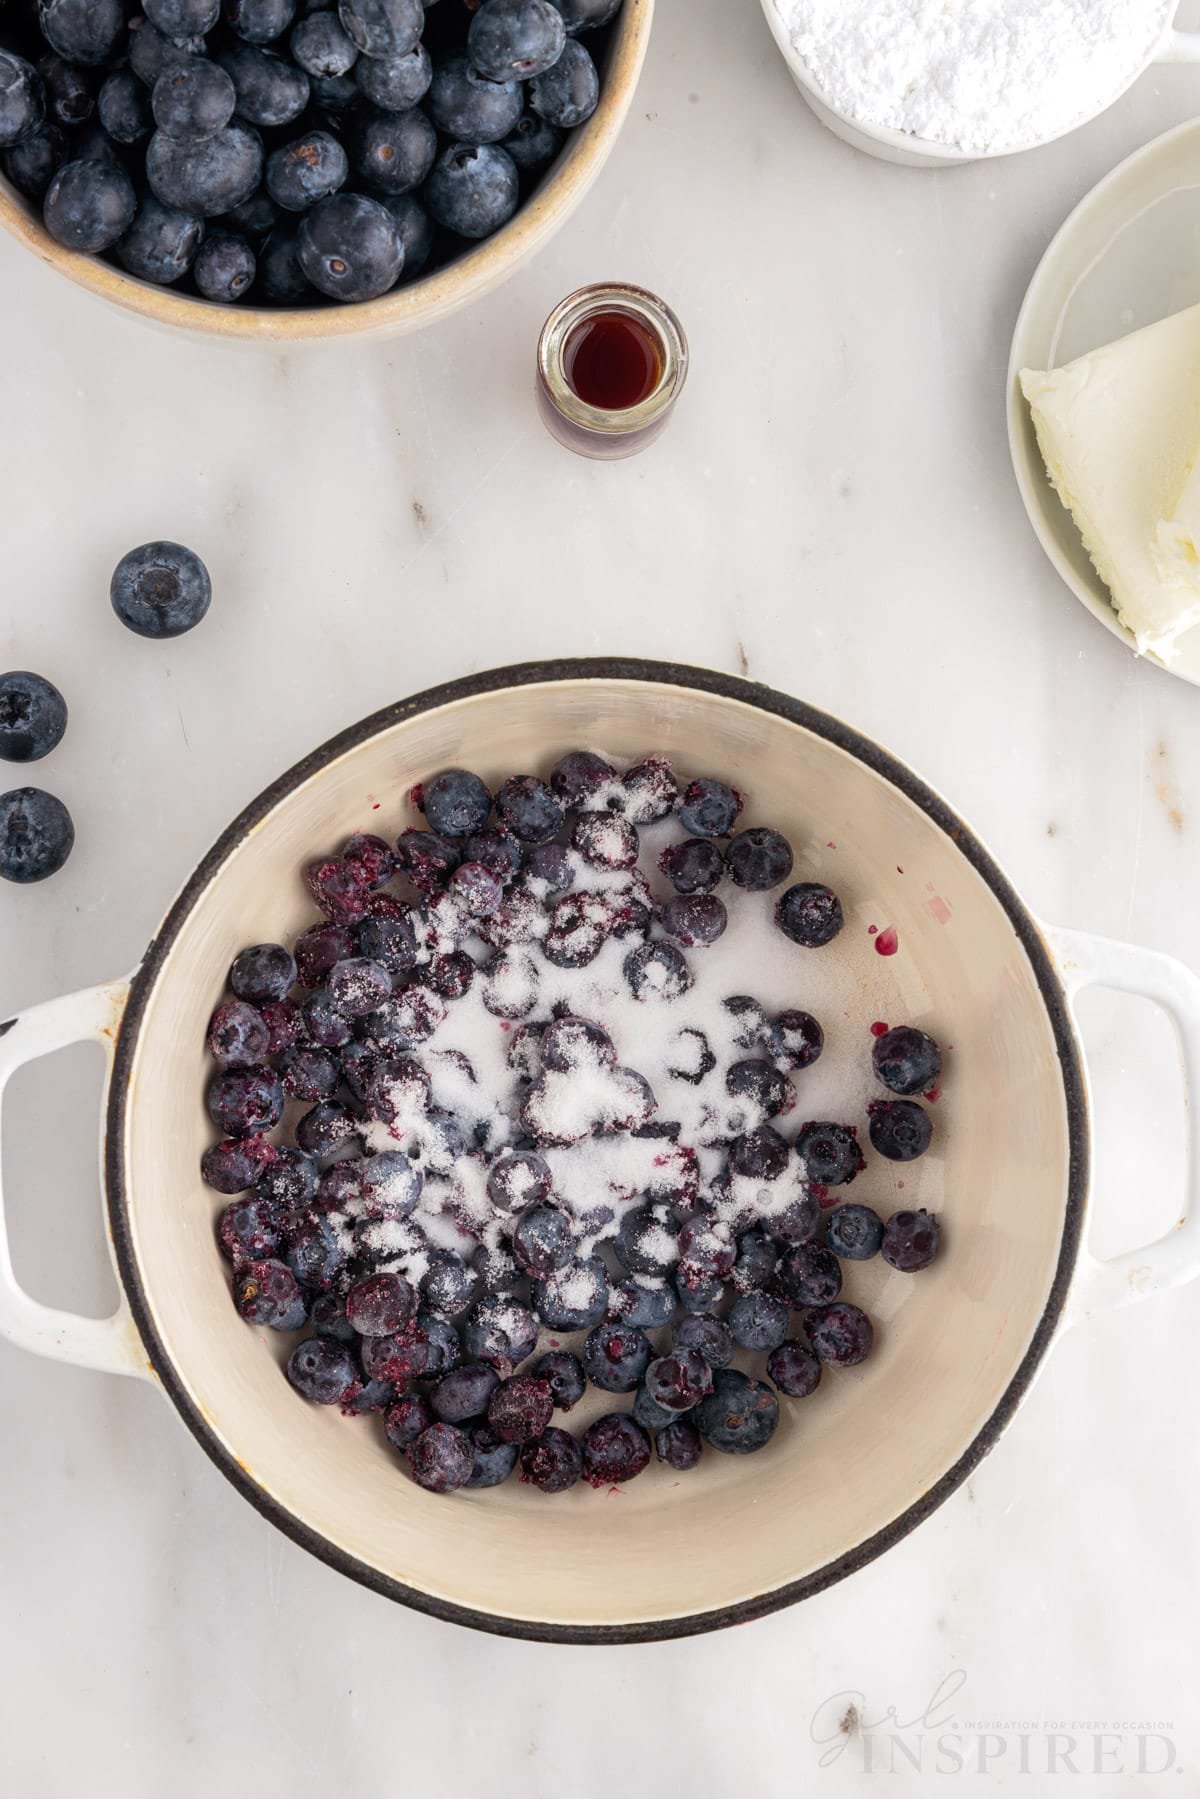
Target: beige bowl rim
point(875, 759)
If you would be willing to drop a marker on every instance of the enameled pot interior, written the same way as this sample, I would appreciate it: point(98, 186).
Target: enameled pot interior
point(871, 1443)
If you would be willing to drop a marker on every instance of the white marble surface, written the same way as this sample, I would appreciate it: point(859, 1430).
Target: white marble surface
point(833, 512)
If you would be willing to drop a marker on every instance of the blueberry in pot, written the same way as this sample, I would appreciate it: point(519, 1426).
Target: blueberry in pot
point(759, 1322)
point(464, 1392)
point(380, 1305)
point(123, 109)
point(88, 205)
point(809, 1275)
point(574, 1297)
point(739, 1416)
point(709, 808)
point(442, 1459)
point(568, 93)
point(238, 1036)
point(615, 1449)
point(160, 589)
point(616, 1356)
point(680, 1380)
point(383, 27)
point(394, 151)
point(841, 1334)
point(795, 1039)
point(693, 866)
point(711, 1336)
point(810, 914)
point(579, 777)
point(830, 1153)
point(349, 247)
point(542, 1241)
point(406, 1419)
point(794, 1369)
point(651, 791)
point(515, 39)
point(161, 244)
point(587, 15)
point(678, 1445)
point(321, 1369)
point(528, 808)
point(649, 1414)
point(33, 716)
point(899, 1129)
point(854, 1232)
point(193, 99)
point(224, 268)
point(694, 919)
point(501, 1331)
point(520, 1408)
point(290, 1181)
point(234, 1166)
point(564, 1375)
point(644, 1301)
point(36, 835)
point(415, 229)
point(759, 1082)
point(249, 1230)
point(553, 1462)
point(314, 1255)
point(468, 108)
point(267, 1292)
point(494, 1460)
point(911, 1240)
point(207, 177)
point(86, 31)
point(70, 91)
point(906, 1060)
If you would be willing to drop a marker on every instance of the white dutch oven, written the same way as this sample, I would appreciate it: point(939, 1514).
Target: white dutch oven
point(849, 1471)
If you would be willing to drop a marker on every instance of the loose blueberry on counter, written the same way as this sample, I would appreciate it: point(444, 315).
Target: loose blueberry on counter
point(123, 108)
point(711, 1336)
point(407, 1419)
point(899, 1129)
point(854, 1232)
point(267, 1292)
point(160, 589)
point(88, 205)
point(906, 1060)
point(494, 1460)
point(567, 94)
point(467, 107)
point(809, 1275)
point(795, 1039)
point(321, 1369)
point(739, 1416)
point(86, 31)
point(564, 1375)
point(830, 1154)
point(758, 859)
point(208, 177)
point(616, 1356)
point(442, 1459)
point(758, 1322)
point(794, 1369)
point(520, 1408)
point(532, 143)
point(161, 244)
point(678, 1445)
point(811, 915)
point(390, 82)
point(515, 39)
point(553, 1462)
point(33, 716)
point(615, 1449)
point(841, 1334)
point(911, 1240)
point(36, 836)
point(349, 248)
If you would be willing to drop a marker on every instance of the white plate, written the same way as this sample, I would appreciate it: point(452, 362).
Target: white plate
point(1127, 256)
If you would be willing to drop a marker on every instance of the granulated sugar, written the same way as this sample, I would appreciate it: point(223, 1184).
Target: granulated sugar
point(982, 75)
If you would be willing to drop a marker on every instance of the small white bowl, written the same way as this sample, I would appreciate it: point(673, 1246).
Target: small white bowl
point(920, 153)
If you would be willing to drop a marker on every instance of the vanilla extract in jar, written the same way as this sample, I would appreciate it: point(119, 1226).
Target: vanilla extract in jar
point(612, 361)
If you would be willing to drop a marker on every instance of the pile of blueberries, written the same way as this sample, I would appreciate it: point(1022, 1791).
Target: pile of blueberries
point(288, 151)
point(158, 590)
point(338, 1025)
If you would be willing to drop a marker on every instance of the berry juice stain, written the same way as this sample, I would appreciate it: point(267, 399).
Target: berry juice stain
point(887, 942)
point(879, 1029)
point(612, 362)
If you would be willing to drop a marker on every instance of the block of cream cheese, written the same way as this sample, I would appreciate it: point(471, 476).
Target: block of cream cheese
point(1119, 430)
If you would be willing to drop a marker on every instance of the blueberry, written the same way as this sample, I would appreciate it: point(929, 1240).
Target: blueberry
point(616, 1356)
point(88, 205)
point(647, 1240)
point(270, 91)
point(678, 1445)
point(830, 1154)
point(500, 1331)
point(564, 1375)
point(358, 986)
point(238, 1036)
point(615, 1449)
point(649, 1414)
point(657, 971)
point(394, 151)
point(567, 94)
point(586, 15)
point(30, 164)
point(840, 1334)
point(253, 219)
point(571, 1043)
point(33, 716)
point(267, 1292)
point(182, 18)
point(381, 1305)
point(86, 31)
point(709, 808)
point(749, 1020)
point(320, 46)
point(900, 1129)
point(853, 1232)
point(161, 244)
point(280, 277)
point(739, 1416)
point(376, 859)
point(290, 1181)
point(691, 1056)
point(150, 52)
point(573, 1298)
point(579, 777)
point(710, 1335)
point(693, 866)
point(406, 1420)
point(442, 1459)
point(553, 1462)
point(757, 1259)
point(160, 589)
point(314, 1255)
point(579, 926)
point(494, 1460)
point(391, 1185)
point(208, 177)
point(415, 230)
point(651, 792)
point(525, 805)
point(399, 1358)
point(193, 100)
point(428, 859)
point(910, 1240)
point(794, 1369)
point(224, 268)
point(248, 1230)
point(334, 95)
point(368, 1396)
point(758, 860)
point(758, 1321)
point(542, 1241)
point(532, 143)
point(393, 82)
point(234, 1166)
point(383, 27)
point(809, 914)
point(321, 1369)
point(36, 836)
point(69, 90)
point(444, 1344)
point(759, 1155)
point(694, 919)
point(795, 1039)
point(325, 1128)
point(696, 1291)
point(520, 1408)
point(464, 1392)
point(349, 247)
point(809, 1275)
point(326, 1026)
point(318, 948)
point(706, 1246)
point(680, 1380)
point(906, 1060)
point(260, 21)
point(306, 170)
point(468, 108)
point(123, 108)
point(515, 39)
point(759, 1082)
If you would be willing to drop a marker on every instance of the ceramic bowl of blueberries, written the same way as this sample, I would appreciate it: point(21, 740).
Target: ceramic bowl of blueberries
point(300, 169)
point(583, 1107)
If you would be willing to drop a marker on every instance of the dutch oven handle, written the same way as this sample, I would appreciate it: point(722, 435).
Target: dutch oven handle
point(1087, 961)
point(109, 1344)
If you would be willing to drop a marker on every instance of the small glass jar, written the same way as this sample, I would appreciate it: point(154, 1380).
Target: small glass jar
point(633, 351)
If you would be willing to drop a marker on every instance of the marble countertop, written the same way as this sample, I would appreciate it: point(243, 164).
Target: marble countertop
point(833, 512)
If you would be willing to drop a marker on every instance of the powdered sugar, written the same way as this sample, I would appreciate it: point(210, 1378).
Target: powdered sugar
point(984, 75)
